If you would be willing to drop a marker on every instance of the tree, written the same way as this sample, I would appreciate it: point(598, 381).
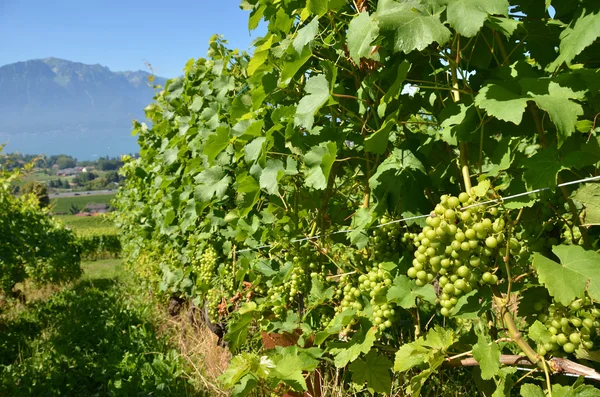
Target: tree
point(64, 161)
point(39, 190)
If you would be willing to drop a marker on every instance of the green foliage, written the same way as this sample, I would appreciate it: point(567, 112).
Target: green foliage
point(97, 337)
point(61, 205)
point(33, 245)
point(289, 163)
point(39, 191)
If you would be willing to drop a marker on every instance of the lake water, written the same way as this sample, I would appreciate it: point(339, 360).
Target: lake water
point(83, 144)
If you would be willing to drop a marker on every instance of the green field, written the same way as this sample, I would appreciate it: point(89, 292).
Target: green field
point(101, 335)
point(63, 204)
point(89, 224)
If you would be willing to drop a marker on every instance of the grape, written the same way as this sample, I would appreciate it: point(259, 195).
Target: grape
point(571, 325)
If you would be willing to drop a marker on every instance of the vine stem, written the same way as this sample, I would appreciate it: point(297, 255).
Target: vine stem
point(548, 382)
point(464, 159)
point(513, 331)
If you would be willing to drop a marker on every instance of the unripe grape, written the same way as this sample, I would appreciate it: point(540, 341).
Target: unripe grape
point(569, 348)
point(491, 242)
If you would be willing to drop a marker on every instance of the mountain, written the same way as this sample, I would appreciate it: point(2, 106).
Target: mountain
point(62, 101)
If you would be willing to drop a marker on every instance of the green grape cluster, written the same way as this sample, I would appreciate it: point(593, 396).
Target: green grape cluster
point(213, 300)
point(374, 283)
point(459, 247)
point(205, 267)
point(571, 326)
point(386, 241)
point(303, 259)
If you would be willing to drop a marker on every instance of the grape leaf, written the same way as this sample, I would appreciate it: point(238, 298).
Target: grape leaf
point(502, 103)
point(289, 370)
point(529, 390)
point(318, 292)
point(374, 370)
point(237, 330)
point(578, 266)
point(377, 142)
point(404, 292)
point(317, 89)
point(539, 333)
point(271, 174)
point(319, 161)
point(361, 33)
point(589, 196)
point(542, 168)
point(576, 38)
point(562, 110)
point(216, 143)
point(212, 182)
point(413, 28)
point(244, 386)
point(171, 155)
point(487, 354)
point(306, 35)
point(468, 16)
point(318, 7)
point(361, 342)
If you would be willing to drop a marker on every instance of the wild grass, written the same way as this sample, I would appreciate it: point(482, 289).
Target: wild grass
point(98, 336)
point(63, 204)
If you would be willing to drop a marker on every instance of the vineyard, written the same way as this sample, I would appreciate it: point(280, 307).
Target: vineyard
point(385, 197)
point(382, 195)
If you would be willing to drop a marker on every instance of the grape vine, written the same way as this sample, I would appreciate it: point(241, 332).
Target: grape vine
point(350, 177)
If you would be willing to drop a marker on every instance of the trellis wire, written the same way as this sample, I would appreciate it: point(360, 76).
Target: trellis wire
point(497, 201)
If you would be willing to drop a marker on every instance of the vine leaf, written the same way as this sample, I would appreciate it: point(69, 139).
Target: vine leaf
point(318, 7)
point(542, 168)
point(362, 219)
point(589, 196)
point(317, 89)
point(378, 141)
point(289, 370)
point(306, 36)
point(361, 33)
point(576, 38)
point(246, 384)
point(374, 370)
point(404, 292)
point(430, 350)
point(539, 333)
point(578, 266)
point(318, 292)
point(216, 143)
point(237, 329)
point(507, 105)
point(529, 390)
point(361, 342)
point(487, 354)
point(270, 176)
point(468, 16)
point(212, 182)
point(319, 161)
point(171, 155)
point(413, 28)
point(243, 364)
point(502, 103)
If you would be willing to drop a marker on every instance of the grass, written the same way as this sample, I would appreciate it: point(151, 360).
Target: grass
point(88, 224)
point(106, 268)
point(63, 204)
point(99, 336)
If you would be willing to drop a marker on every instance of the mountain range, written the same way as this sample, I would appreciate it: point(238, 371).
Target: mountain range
point(56, 106)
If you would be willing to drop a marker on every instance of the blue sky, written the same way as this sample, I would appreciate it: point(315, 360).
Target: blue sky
point(120, 34)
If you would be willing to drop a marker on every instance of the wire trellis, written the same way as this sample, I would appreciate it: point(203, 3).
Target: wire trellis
point(411, 218)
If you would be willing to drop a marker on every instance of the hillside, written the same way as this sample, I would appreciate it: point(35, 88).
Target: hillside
point(62, 101)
